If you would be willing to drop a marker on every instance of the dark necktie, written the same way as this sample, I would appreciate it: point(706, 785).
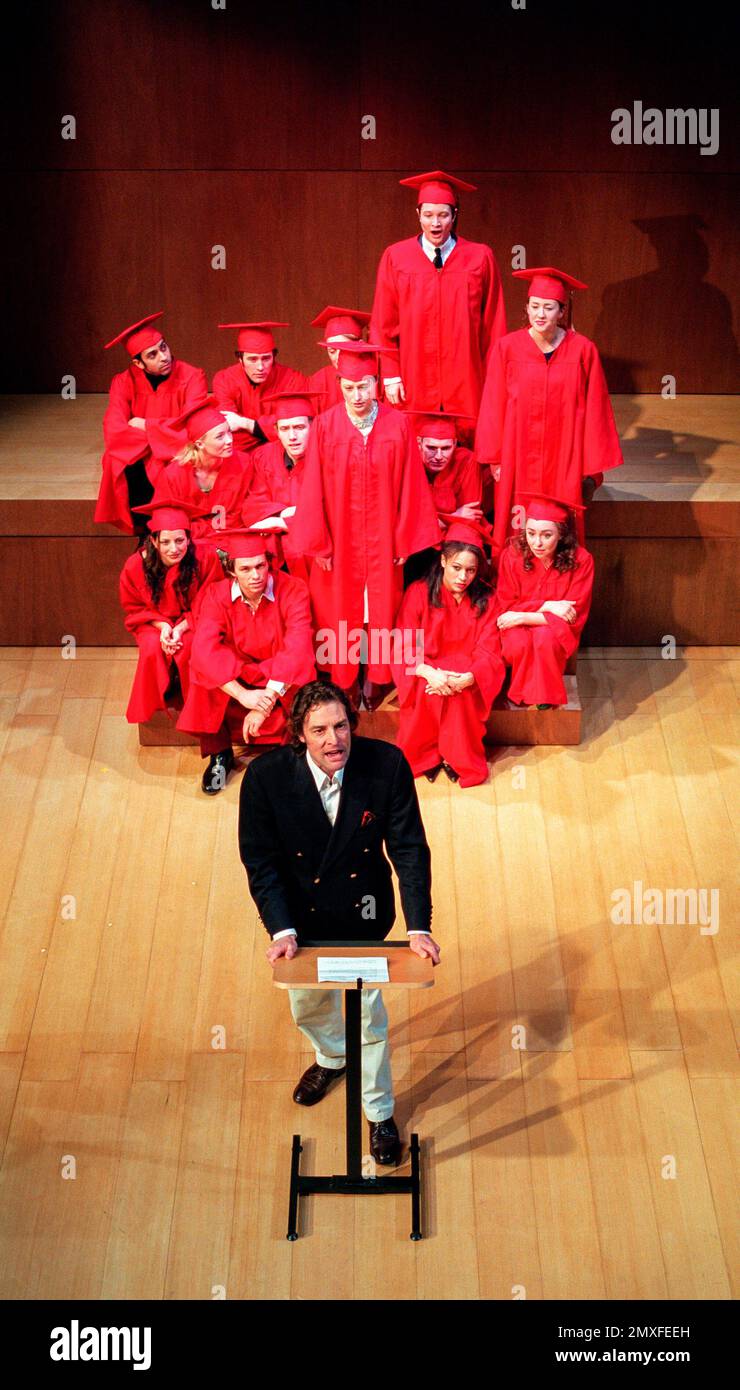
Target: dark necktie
point(438, 262)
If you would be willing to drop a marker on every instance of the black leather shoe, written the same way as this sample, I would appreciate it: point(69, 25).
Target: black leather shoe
point(432, 773)
point(453, 776)
point(385, 1142)
point(315, 1083)
point(219, 767)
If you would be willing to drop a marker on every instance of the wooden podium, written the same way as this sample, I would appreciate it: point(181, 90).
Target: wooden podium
point(406, 971)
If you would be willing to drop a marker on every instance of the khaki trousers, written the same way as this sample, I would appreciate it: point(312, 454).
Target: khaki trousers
point(318, 1013)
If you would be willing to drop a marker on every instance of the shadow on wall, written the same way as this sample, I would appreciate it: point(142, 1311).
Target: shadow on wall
point(636, 310)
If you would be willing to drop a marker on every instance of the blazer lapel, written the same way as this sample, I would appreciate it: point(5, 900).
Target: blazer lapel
point(310, 812)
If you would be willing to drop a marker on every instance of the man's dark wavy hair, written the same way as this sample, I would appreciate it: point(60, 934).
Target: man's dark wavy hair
point(309, 697)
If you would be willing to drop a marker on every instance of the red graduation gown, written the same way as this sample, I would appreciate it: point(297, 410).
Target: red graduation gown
point(153, 668)
point(537, 655)
point(548, 424)
point(234, 391)
point(459, 482)
point(443, 321)
point(234, 481)
point(326, 380)
point(234, 643)
point(276, 487)
point(131, 395)
point(449, 728)
point(363, 504)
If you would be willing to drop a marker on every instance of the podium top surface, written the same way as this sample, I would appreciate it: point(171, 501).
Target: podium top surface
point(406, 970)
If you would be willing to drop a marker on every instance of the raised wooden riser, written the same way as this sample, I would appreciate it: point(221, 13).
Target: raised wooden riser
point(661, 568)
point(507, 724)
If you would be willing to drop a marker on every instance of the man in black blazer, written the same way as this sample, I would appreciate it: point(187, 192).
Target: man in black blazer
point(314, 819)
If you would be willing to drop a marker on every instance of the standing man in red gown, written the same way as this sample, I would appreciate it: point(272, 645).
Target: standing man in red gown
point(252, 647)
point(155, 387)
point(339, 326)
point(438, 300)
point(241, 389)
point(365, 505)
point(546, 423)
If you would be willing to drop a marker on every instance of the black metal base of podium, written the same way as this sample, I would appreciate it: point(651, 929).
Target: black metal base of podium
point(353, 1181)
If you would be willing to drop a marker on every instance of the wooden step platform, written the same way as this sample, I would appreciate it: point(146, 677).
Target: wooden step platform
point(508, 724)
point(663, 529)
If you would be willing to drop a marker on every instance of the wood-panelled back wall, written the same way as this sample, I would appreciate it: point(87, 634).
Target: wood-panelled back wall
point(199, 127)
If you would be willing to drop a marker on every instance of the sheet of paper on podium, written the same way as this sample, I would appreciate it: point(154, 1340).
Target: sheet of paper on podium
point(370, 969)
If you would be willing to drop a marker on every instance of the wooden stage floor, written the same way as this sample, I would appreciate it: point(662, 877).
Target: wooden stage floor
point(675, 450)
point(595, 1163)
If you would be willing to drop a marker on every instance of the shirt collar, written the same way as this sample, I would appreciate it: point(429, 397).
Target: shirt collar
point(269, 593)
point(430, 250)
point(320, 777)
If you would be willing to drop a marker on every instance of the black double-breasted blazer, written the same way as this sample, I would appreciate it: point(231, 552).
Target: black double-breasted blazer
point(329, 882)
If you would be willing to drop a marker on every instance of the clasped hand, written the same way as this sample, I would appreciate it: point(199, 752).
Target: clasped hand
point(258, 703)
point(446, 682)
point(170, 639)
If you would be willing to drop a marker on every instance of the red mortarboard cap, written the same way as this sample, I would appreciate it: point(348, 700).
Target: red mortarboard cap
point(289, 404)
point(201, 416)
point(438, 424)
point(477, 533)
point(336, 321)
point(255, 337)
point(548, 283)
point(241, 543)
point(168, 515)
point(139, 335)
point(357, 360)
point(438, 187)
point(539, 507)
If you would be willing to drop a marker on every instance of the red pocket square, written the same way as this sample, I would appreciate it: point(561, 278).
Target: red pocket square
point(367, 818)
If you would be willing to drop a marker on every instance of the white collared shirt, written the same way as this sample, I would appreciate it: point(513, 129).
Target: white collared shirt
point(329, 788)
point(269, 593)
point(446, 248)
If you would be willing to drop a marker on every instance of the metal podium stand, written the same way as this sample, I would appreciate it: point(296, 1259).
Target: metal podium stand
point(406, 970)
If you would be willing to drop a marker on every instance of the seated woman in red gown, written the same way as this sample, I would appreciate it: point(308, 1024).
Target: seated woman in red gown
point(160, 590)
point(445, 696)
point(208, 472)
point(543, 597)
